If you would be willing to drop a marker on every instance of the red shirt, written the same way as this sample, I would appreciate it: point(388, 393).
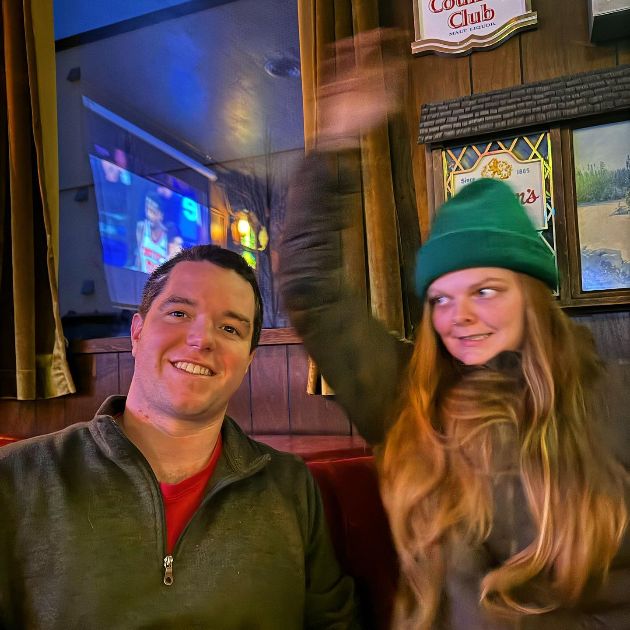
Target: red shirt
point(183, 498)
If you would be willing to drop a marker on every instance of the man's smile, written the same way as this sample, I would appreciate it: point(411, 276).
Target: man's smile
point(193, 368)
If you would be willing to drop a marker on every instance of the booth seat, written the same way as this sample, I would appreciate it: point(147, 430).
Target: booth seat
point(360, 531)
point(358, 525)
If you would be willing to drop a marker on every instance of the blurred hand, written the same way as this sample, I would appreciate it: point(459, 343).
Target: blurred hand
point(360, 84)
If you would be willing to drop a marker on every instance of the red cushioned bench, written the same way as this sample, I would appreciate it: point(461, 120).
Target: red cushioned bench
point(360, 531)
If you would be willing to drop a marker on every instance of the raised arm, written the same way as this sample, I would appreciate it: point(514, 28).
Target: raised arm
point(360, 360)
point(356, 355)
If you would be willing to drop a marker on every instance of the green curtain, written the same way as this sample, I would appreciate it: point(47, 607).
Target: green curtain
point(32, 346)
point(385, 232)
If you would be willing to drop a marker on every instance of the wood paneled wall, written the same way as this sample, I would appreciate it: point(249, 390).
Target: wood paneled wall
point(559, 46)
point(612, 338)
point(271, 399)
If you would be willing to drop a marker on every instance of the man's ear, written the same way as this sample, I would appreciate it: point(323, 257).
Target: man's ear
point(251, 358)
point(136, 328)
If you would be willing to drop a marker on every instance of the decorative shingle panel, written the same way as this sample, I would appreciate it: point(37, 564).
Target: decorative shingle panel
point(545, 102)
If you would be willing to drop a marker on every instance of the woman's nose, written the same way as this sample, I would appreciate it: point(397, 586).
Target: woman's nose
point(463, 313)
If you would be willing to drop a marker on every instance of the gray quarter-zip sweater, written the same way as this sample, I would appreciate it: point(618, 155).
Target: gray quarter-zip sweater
point(82, 539)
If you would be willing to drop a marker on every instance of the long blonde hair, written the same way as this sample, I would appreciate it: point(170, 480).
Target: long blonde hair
point(440, 459)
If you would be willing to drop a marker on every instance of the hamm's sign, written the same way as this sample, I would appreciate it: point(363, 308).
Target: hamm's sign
point(526, 178)
point(460, 26)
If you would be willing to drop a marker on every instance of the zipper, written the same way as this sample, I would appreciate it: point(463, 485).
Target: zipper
point(168, 570)
point(226, 481)
point(218, 487)
point(168, 560)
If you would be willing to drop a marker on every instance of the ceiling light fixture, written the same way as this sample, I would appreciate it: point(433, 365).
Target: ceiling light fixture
point(283, 66)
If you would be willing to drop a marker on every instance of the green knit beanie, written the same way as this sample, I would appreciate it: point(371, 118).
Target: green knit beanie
point(484, 225)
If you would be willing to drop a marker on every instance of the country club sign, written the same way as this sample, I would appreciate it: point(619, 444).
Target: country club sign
point(460, 26)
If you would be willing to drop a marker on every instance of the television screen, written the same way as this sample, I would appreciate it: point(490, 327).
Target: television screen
point(142, 223)
point(156, 195)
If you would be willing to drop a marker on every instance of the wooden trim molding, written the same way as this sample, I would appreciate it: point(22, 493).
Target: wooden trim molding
point(268, 337)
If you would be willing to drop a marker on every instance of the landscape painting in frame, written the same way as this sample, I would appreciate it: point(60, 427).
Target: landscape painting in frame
point(602, 186)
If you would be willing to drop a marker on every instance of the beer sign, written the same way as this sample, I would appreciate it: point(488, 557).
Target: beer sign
point(526, 178)
point(460, 26)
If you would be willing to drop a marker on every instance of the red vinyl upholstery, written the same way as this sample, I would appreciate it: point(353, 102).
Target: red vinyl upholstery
point(360, 532)
point(6, 439)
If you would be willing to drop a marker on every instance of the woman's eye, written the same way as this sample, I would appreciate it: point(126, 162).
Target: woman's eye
point(438, 300)
point(487, 292)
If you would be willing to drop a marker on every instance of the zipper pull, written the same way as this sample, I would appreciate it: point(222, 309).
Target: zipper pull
point(168, 570)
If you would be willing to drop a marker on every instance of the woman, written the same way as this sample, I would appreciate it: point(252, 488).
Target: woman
point(507, 506)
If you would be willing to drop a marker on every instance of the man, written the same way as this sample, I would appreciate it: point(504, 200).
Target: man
point(160, 512)
point(152, 235)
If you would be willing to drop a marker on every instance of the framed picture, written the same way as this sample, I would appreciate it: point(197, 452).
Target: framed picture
point(597, 200)
point(601, 157)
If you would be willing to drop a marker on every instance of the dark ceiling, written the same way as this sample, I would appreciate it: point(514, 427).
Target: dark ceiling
point(76, 17)
point(198, 74)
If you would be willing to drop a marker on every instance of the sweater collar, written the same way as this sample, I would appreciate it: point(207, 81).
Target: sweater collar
point(509, 362)
point(240, 455)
